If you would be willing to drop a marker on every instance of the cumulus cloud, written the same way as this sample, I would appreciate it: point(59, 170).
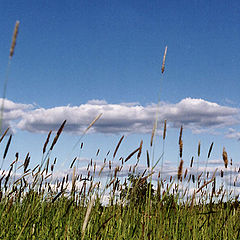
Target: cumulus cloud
point(197, 114)
point(12, 112)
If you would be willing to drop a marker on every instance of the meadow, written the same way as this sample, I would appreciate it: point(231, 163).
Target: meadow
point(106, 203)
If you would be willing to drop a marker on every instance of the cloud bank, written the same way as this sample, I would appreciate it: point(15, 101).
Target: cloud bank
point(196, 114)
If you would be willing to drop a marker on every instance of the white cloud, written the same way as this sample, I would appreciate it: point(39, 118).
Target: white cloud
point(197, 114)
point(12, 112)
point(233, 133)
point(97, 102)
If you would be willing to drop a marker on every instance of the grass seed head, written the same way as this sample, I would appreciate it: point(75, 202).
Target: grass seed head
point(164, 59)
point(199, 148)
point(191, 164)
point(117, 147)
point(58, 134)
point(14, 39)
point(180, 148)
point(92, 123)
point(180, 169)
point(140, 149)
point(46, 143)
point(225, 157)
point(180, 134)
point(165, 129)
point(210, 150)
point(185, 174)
point(148, 160)
point(153, 132)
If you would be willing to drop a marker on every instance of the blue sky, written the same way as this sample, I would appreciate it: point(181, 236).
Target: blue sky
point(76, 59)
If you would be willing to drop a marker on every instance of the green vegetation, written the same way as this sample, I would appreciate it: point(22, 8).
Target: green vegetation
point(35, 205)
point(35, 210)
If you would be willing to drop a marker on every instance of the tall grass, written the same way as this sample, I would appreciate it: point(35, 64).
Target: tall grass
point(36, 204)
point(142, 206)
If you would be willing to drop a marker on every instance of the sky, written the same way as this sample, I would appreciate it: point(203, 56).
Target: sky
point(75, 60)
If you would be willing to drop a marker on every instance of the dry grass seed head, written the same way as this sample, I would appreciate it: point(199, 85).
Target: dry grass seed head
point(4, 134)
point(58, 134)
point(97, 152)
point(225, 157)
point(199, 148)
point(164, 59)
point(26, 162)
point(193, 178)
point(46, 142)
point(180, 134)
point(210, 150)
point(148, 160)
point(191, 164)
point(140, 149)
point(165, 129)
point(102, 169)
point(153, 132)
point(14, 39)
point(185, 174)
point(73, 162)
point(180, 169)
point(117, 147)
point(180, 148)
point(7, 147)
point(91, 124)
point(131, 154)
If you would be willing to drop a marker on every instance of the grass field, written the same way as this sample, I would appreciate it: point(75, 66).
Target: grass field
point(34, 204)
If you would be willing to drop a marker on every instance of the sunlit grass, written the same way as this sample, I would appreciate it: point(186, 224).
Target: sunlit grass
point(108, 203)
